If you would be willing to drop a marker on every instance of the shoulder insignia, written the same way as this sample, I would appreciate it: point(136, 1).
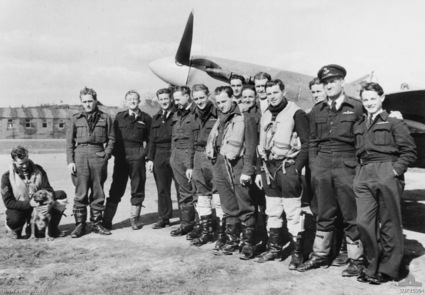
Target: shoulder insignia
point(141, 122)
point(4, 190)
point(348, 112)
point(385, 122)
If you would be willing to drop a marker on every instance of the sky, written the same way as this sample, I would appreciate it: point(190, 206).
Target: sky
point(50, 49)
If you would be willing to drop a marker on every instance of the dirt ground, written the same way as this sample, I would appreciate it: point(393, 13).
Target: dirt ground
point(152, 262)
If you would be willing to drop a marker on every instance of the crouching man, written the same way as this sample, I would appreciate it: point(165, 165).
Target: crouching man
point(18, 184)
point(283, 156)
point(232, 146)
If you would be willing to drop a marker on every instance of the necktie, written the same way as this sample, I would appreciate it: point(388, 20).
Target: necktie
point(333, 106)
point(370, 121)
point(133, 117)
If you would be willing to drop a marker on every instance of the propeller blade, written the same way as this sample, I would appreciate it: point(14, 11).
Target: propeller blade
point(183, 53)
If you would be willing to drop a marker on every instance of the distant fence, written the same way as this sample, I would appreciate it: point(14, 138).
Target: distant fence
point(35, 146)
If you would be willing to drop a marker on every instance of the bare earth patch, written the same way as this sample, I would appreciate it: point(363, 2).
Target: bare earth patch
point(152, 262)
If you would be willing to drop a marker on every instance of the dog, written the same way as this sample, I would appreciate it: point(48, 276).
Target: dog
point(42, 202)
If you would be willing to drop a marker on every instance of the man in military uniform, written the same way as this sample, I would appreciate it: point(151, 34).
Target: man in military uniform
point(23, 179)
point(231, 145)
point(204, 118)
point(132, 128)
point(251, 104)
point(90, 141)
point(332, 163)
point(159, 156)
point(317, 90)
point(384, 149)
point(182, 160)
point(260, 80)
point(283, 148)
point(339, 246)
point(237, 82)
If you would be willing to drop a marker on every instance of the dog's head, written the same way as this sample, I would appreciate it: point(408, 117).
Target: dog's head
point(43, 197)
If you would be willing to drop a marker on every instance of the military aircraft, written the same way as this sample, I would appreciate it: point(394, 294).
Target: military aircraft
point(187, 69)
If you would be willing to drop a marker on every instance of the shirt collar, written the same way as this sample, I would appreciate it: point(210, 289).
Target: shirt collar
point(338, 101)
point(136, 113)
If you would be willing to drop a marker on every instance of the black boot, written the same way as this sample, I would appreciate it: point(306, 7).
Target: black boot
point(108, 215)
point(135, 217)
point(248, 242)
point(221, 237)
point(54, 223)
point(197, 229)
point(186, 226)
point(297, 255)
point(96, 219)
point(275, 244)
point(321, 251)
point(232, 239)
point(80, 215)
point(207, 232)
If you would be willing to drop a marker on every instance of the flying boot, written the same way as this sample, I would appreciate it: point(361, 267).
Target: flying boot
point(80, 215)
point(221, 237)
point(186, 225)
point(207, 233)
point(275, 244)
point(108, 215)
point(135, 217)
point(248, 242)
point(96, 220)
point(297, 254)
point(232, 238)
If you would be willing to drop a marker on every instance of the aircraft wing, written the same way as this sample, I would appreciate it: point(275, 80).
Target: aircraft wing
point(187, 69)
point(411, 104)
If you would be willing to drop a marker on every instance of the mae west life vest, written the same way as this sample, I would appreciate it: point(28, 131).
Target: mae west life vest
point(232, 145)
point(278, 139)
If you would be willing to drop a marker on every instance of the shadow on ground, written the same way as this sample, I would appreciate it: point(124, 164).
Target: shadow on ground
point(147, 219)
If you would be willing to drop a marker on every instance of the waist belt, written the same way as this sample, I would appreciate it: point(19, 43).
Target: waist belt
point(377, 160)
point(89, 144)
point(180, 144)
point(199, 148)
point(337, 151)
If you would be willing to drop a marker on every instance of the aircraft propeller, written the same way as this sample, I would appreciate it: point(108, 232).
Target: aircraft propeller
point(185, 47)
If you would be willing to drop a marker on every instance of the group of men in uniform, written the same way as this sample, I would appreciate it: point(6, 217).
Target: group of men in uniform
point(242, 155)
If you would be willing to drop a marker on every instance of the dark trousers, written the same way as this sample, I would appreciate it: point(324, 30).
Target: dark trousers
point(286, 185)
point(378, 193)
point(203, 175)
point(332, 181)
point(186, 190)
point(16, 219)
point(130, 164)
point(311, 197)
point(92, 165)
point(235, 199)
point(163, 175)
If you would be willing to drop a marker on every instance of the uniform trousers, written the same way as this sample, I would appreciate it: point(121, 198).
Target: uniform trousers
point(92, 164)
point(378, 193)
point(332, 181)
point(186, 189)
point(287, 186)
point(163, 175)
point(235, 199)
point(203, 175)
point(131, 164)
